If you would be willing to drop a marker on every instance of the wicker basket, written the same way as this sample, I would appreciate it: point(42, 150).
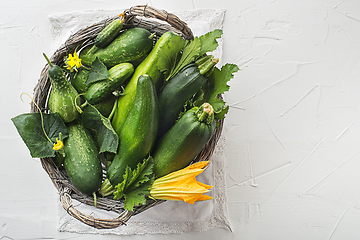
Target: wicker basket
point(158, 21)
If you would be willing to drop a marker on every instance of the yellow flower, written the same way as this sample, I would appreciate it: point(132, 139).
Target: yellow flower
point(58, 145)
point(182, 185)
point(72, 61)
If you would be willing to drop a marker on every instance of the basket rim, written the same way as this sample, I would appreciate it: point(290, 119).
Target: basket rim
point(136, 16)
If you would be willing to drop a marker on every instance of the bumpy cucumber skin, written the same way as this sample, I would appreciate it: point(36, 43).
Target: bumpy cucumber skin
point(175, 93)
point(108, 34)
point(147, 66)
point(82, 161)
point(139, 131)
point(129, 46)
point(181, 144)
point(78, 81)
point(100, 90)
point(62, 96)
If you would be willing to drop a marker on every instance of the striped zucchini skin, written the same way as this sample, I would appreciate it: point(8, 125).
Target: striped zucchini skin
point(108, 34)
point(62, 96)
point(100, 90)
point(129, 46)
point(139, 131)
point(184, 141)
point(82, 161)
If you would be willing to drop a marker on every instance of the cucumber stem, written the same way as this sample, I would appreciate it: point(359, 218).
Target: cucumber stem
point(152, 35)
point(47, 59)
point(113, 109)
point(95, 198)
point(205, 113)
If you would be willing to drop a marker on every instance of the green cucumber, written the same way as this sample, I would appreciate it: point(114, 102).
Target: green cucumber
point(184, 141)
point(109, 33)
point(63, 95)
point(129, 46)
point(78, 81)
point(82, 161)
point(148, 66)
point(100, 90)
point(138, 134)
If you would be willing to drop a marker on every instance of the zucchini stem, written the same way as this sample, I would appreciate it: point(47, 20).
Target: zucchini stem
point(206, 64)
point(205, 113)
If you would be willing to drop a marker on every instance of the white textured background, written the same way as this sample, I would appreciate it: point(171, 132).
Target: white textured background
point(293, 130)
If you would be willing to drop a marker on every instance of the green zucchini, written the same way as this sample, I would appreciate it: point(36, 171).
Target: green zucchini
point(148, 66)
point(179, 89)
point(82, 161)
point(138, 134)
point(100, 90)
point(129, 46)
point(109, 33)
point(184, 141)
point(175, 93)
point(63, 95)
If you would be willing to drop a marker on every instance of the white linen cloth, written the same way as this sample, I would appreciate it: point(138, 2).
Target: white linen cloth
point(171, 216)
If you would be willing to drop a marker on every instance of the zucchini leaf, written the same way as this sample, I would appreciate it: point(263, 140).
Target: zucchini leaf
point(136, 184)
point(208, 41)
point(104, 134)
point(217, 85)
point(30, 129)
point(98, 72)
point(190, 53)
point(172, 62)
point(172, 53)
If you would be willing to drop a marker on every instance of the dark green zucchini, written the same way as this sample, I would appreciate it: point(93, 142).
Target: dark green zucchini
point(172, 98)
point(82, 161)
point(129, 46)
point(184, 141)
point(138, 135)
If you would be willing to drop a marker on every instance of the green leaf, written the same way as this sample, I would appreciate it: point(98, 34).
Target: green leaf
point(220, 114)
point(98, 72)
point(136, 184)
point(218, 85)
point(172, 53)
point(30, 129)
point(104, 133)
point(190, 52)
point(208, 41)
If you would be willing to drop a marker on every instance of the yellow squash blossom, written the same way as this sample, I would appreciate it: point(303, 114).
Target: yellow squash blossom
point(73, 60)
point(182, 185)
point(58, 145)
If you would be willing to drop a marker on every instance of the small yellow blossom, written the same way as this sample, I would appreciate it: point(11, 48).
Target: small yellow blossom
point(182, 185)
point(58, 145)
point(73, 60)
